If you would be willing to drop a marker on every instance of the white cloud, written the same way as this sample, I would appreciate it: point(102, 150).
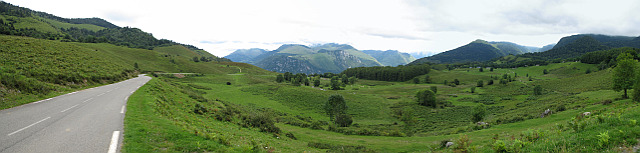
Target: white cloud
point(220, 27)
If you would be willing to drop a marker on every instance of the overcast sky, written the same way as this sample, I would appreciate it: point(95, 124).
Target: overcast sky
point(222, 26)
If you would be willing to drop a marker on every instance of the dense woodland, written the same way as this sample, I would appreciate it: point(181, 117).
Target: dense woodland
point(399, 73)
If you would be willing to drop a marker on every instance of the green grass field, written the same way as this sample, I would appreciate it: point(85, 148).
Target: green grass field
point(377, 106)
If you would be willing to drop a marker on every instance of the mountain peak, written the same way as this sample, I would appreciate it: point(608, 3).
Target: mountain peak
point(480, 41)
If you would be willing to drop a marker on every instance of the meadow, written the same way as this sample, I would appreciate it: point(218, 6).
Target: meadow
point(254, 113)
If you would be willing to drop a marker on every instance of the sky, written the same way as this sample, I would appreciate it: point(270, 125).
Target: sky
point(431, 26)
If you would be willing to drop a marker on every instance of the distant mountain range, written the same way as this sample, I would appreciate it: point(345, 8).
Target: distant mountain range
point(323, 58)
point(480, 50)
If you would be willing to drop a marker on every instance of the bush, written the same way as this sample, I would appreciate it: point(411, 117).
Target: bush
point(343, 120)
point(199, 109)
point(262, 121)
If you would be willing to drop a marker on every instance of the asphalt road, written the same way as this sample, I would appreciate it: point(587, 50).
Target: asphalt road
point(89, 120)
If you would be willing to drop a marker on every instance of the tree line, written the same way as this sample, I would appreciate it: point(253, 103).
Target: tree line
point(387, 73)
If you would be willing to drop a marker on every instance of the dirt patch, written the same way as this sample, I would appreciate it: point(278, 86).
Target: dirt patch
point(178, 75)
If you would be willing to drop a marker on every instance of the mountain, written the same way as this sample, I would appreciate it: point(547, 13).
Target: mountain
point(419, 55)
point(320, 58)
point(390, 57)
point(245, 55)
point(478, 50)
point(315, 59)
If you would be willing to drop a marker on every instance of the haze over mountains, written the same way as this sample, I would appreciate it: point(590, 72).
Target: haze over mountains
point(322, 58)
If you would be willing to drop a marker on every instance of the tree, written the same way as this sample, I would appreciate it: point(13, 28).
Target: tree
point(480, 83)
point(316, 82)
point(135, 65)
point(636, 89)
point(537, 90)
point(343, 120)
point(416, 80)
point(434, 89)
point(203, 59)
point(279, 78)
point(481, 69)
point(195, 59)
point(490, 82)
point(287, 76)
point(306, 81)
point(491, 69)
point(426, 98)
point(445, 82)
point(624, 73)
point(545, 71)
point(335, 83)
point(478, 113)
point(295, 82)
point(473, 89)
point(427, 79)
point(335, 105)
point(345, 79)
point(353, 80)
point(456, 81)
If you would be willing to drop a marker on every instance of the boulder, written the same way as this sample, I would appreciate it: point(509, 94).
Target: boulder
point(449, 144)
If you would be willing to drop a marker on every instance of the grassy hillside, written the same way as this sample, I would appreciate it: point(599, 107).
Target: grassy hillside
point(219, 116)
point(34, 69)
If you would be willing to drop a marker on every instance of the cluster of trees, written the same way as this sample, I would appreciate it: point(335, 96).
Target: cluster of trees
point(205, 59)
point(302, 78)
point(427, 98)
point(387, 73)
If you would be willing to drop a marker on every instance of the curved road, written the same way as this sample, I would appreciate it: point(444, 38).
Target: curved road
point(89, 120)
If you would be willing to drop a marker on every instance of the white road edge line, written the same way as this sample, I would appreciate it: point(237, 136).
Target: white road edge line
point(27, 126)
point(113, 147)
point(68, 108)
point(122, 110)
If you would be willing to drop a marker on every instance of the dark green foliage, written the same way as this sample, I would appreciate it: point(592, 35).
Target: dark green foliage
point(340, 148)
point(416, 81)
point(262, 121)
point(445, 82)
point(279, 78)
point(199, 109)
point(427, 79)
point(456, 81)
point(490, 82)
point(545, 71)
point(353, 80)
point(399, 73)
point(434, 89)
point(480, 83)
point(606, 56)
point(288, 76)
point(473, 89)
point(316, 82)
point(636, 89)
point(335, 105)
point(537, 90)
point(195, 59)
point(343, 120)
point(481, 69)
point(345, 79)
point(624, 74)
point(335, 83)
point(478, 113)
point(426, 98)
point(135, 66)
point(574, 49)
point(491, 69)
point(588, 71)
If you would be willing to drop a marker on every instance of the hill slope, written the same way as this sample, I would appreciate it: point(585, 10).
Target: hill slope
point(478, 50)
point(390, 57)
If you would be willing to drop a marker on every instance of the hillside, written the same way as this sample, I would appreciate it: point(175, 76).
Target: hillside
point(390, 57)
point(478, 51)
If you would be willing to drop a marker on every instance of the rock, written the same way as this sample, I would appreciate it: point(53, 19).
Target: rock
point(449, 144)
point(546, 113)
point(586, 113)
point(482, 123)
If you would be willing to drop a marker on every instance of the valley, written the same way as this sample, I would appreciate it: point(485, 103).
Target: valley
point(581, 94)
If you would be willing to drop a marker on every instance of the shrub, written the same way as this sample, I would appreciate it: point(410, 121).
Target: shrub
point(199, 109)
point(343, 120)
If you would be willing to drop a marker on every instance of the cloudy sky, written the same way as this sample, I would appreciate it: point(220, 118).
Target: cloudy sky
point(222, 26)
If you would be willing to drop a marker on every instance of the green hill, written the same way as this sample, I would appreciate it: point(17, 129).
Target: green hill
point(245, 55)
point(477, 51)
